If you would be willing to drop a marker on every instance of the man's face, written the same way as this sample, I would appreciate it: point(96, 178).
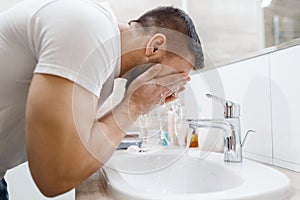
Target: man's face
point(179, 64)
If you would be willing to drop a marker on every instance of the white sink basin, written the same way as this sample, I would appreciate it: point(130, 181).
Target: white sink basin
point(172, 174)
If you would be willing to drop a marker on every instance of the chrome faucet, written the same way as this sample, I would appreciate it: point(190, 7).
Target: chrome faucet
point(230, 126)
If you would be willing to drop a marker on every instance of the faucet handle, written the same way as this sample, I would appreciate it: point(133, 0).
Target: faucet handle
point(231, 109)
point(249, 131)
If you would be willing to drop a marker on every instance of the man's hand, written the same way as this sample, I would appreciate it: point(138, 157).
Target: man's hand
point(157, 85)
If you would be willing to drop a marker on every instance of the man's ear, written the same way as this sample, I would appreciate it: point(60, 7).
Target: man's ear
point(155, 45)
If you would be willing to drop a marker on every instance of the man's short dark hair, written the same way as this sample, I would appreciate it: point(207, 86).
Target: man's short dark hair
point(177, 20)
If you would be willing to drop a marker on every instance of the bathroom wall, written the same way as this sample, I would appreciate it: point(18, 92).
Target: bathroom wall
point(285, 88)
point(267, 89)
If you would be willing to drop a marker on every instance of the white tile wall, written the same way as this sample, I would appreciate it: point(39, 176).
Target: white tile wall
point(196, 103)
point(247, 83)
point(285, 90)
point(267, 89)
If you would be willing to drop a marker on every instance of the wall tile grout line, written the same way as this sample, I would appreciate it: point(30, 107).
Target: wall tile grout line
point(271, 106)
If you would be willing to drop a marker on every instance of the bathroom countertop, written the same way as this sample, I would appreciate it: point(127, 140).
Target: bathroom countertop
point(295, 181)
point(94, 187)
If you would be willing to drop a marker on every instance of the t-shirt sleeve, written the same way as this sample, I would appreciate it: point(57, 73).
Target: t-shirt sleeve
point(75, 40)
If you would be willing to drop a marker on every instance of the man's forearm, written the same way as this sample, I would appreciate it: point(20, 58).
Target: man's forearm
point(108, 132)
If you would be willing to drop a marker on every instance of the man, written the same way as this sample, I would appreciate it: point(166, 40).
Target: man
point(58, 62)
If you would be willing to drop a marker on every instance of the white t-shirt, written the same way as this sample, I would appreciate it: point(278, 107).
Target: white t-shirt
point(75, 39)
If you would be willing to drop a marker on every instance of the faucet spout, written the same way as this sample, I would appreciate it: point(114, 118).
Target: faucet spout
point(230, 125)
point(212, 123)
point(232, 136)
